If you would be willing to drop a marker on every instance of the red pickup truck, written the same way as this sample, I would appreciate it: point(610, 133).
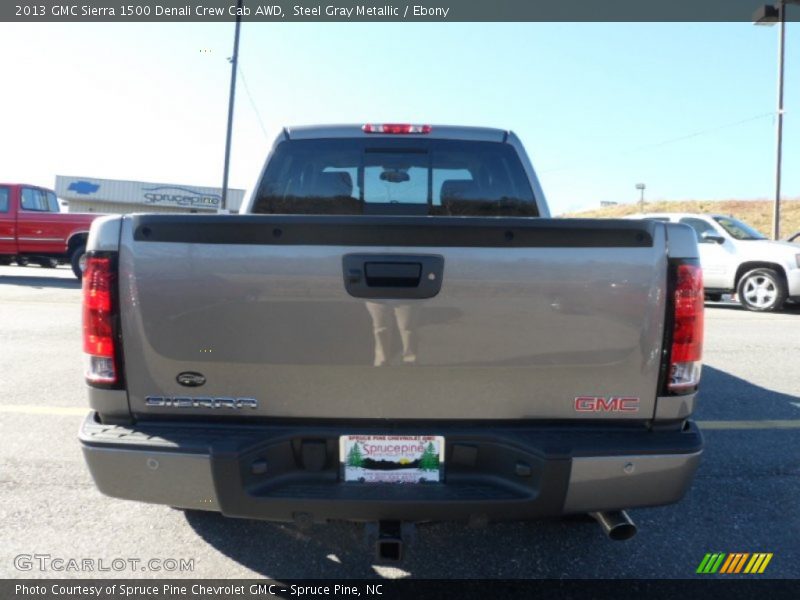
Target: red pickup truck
point(32, 228)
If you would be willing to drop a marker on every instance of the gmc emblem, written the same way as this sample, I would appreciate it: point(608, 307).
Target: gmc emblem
point(612, 404)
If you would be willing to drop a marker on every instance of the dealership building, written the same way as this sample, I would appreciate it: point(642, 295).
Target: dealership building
point(114, 196)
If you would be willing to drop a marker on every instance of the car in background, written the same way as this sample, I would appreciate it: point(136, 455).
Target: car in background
point(736, 258)
point(33, 230)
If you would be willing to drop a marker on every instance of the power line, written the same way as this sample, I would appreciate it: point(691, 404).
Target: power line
point(701, 132)
point(672, 140)
point(252, 102)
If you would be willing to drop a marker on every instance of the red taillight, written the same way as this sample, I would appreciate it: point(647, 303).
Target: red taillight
point(98, 315)
point(687, 332)
point(396, 128)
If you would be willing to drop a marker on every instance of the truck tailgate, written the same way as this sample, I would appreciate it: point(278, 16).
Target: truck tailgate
point(531, 314)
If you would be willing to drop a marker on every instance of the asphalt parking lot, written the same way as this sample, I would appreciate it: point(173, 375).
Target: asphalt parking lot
point(745, 498)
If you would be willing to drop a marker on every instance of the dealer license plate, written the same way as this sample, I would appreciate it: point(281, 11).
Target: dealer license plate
point(392, 458)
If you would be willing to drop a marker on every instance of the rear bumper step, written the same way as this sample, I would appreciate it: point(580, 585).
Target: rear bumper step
point(496, 471)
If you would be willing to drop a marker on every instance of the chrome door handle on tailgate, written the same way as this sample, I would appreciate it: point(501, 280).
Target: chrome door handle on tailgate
point(393, 275)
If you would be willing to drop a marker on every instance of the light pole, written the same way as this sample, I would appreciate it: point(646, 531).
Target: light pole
point(234, 61)
point(770, 15)
point(641, 187)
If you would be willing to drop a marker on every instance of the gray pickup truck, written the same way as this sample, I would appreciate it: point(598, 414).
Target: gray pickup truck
point(393, 331)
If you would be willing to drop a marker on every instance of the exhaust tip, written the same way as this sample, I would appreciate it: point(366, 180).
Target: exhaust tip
point(617, 525)
point(622, 532)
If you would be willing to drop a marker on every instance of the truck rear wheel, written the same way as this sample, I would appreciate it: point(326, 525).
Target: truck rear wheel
point(78, 261)
point(762, 290)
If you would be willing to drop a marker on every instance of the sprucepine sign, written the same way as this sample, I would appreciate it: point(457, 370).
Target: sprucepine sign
point(181, 197)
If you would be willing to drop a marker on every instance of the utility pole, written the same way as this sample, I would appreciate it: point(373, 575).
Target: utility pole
point(776, 211)
point(234, 62)
point(770, 15)
point(641, 187)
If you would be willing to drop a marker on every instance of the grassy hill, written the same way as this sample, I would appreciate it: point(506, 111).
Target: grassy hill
point(756, 213)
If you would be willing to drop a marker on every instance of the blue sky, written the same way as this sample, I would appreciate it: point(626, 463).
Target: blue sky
point(600, 106)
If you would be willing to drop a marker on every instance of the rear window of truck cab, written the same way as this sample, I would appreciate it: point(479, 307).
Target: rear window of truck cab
point(35, 199)
point(395, 177)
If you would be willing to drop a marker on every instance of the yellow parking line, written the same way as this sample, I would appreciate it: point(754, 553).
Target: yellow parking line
point(42, 410)
point(765, 424)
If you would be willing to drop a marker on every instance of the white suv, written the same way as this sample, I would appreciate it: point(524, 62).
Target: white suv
point(737, 258)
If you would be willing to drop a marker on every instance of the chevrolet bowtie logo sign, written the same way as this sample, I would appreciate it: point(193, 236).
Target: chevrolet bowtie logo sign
point(83, 187)
point(735, 562)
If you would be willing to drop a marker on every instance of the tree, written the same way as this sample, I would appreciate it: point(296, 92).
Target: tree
point(429, 461)
point(354, 457)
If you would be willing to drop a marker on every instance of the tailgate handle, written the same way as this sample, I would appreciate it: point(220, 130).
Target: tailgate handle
point(392, 275)
point(387, 274)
